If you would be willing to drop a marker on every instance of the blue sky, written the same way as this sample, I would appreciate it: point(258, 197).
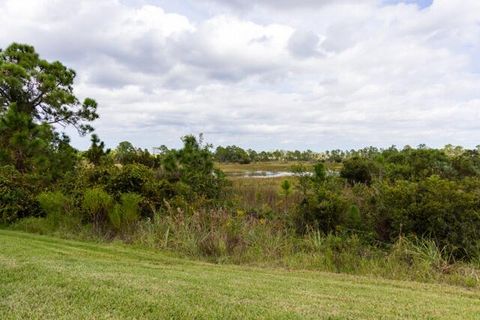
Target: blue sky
point(421, 3)
point(317, 74)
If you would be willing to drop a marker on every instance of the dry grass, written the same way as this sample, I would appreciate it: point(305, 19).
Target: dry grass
point(274, 166)
point(262, 194)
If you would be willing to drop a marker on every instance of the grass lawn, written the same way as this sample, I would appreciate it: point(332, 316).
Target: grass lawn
point(48, 278)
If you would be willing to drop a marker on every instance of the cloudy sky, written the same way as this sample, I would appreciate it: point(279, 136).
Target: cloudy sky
point(290, 74)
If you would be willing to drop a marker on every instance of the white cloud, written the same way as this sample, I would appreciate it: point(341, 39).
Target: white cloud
point(281, 4)
point(312, 74)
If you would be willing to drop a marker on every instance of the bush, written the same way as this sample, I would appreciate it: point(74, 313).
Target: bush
point(324, 210)
point(17, 196)
point(358, 170)
point(442, 210)
point(56, 206)
point(97, 204)
point(125, 213)
point(130, 178)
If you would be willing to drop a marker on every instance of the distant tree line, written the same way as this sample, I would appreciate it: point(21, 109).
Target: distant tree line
point(235, 154)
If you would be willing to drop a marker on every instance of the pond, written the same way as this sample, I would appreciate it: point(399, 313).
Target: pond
point(271, 174)
point(263, 174)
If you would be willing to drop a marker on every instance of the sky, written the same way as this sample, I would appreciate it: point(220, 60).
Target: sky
point(265, 74)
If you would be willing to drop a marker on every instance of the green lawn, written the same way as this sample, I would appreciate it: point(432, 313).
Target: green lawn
point(48, 278)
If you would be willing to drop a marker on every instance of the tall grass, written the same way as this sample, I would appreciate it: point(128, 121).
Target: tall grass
point(225, 237)
point(217, 235)
point(125, 213)
point(263, 196)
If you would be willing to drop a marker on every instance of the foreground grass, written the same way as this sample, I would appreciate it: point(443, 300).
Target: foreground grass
point(43, 277)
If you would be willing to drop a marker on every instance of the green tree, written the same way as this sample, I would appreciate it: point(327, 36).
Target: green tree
point(319, 173)
point(42, 90)
point(125, 152)
point(232, 154)
point(193, 167)
point(303, 178)
point(23, 143)
point(96, 153)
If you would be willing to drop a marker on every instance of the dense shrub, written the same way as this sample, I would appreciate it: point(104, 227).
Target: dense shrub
point(56, 205)
point(323, 210)
point(126, 212)
point(358, 170)
point(17, 195)
point(130, 178)
point(443, 210)
point(97, 204)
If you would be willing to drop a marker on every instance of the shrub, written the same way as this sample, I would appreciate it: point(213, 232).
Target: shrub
point(17, 196)
point(358, 170)
point(125, 213)
point(56, 205)
point(130, 178)
point(97, 204)
point(435, 208)
point(324, 210)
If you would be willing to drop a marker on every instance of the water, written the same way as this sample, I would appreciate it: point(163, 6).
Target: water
point(264, 174)
point(273, 174)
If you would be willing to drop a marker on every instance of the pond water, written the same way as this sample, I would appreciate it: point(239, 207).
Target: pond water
point(263, 174)
point(271, 174)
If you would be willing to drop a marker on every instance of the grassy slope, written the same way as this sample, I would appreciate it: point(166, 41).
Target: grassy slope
point(43, 277)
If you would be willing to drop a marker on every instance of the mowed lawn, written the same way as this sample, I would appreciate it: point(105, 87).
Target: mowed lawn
point(48, 278)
